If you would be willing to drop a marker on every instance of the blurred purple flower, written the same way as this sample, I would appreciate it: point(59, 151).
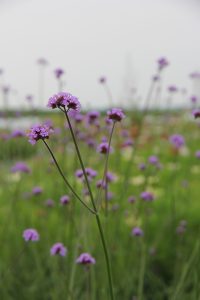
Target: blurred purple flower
point(31, 235)
point(85, 259)
point(104, 148)
point(137, 231)
point(20, 167)
point(115, 114)
point(58, 72)
point(58, 249)
point(49, 203)
point(147, 196)
point(196, 113)
point(37, 190)
point(18, 133)
point(64, 200)
point(177, 140)
point(162, 63)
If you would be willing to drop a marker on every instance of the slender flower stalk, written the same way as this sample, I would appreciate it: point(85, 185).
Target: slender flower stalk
point(104, 180)
point(94, 207)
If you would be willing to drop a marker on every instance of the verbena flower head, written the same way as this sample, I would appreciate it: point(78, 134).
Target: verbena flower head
point(20, 167)
point(162, 63)
point(193, 99)
point(115, 114)
point(137, 231)
point(58, 72)
point(66, 100)
point(92, 117)
point(85, 259)
point(49, 203)
point(197, 154)
point(17, 133)
point(31, 235)
point(64, 200)
point(104, 148)
point(177, 140)
point(102, 79)
point(147, 196)
point(89, 172)
point(38, 132)
point(172, 89)
point(153, 160)
point(58, 249)
point(37, 190)
point(131, 199)
point(196, 113)
point(142, 166)
point(42, 61)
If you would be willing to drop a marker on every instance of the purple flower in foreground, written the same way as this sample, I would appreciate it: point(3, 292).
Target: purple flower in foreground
point(177, 140)
point(20, 167)
point(196, 113)
point(66, 100)
point(58, 72)
point(64, 200)
point(58, 249)
point(115, 114)
point(38, 132)
point(31, 235)
point(136, 231)
point(147, 196)
point(37, 190)
point(85, 259)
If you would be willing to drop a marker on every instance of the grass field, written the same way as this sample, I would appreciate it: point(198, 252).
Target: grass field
point(162, 263)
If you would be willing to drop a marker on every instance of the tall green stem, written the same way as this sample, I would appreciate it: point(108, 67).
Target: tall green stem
point(94, 207)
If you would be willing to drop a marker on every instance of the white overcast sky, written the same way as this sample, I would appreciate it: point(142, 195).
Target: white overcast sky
point(88, 38)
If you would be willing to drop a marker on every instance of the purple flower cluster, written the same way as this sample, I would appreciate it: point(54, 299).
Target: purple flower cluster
point(58, 72)
point(162, 63)
point(137, 231)
point(177, 140)
point(64, 100)
point(58, 249)
point(38, 132)
point(196, 113)
point(85, 259)
point(89, 172)
point(37, 190)
point(115, 114)
point(147, 196)
point(92, 117)
point(64, 200)
point(104, 148)
point(31, 235)
point(20, 167)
